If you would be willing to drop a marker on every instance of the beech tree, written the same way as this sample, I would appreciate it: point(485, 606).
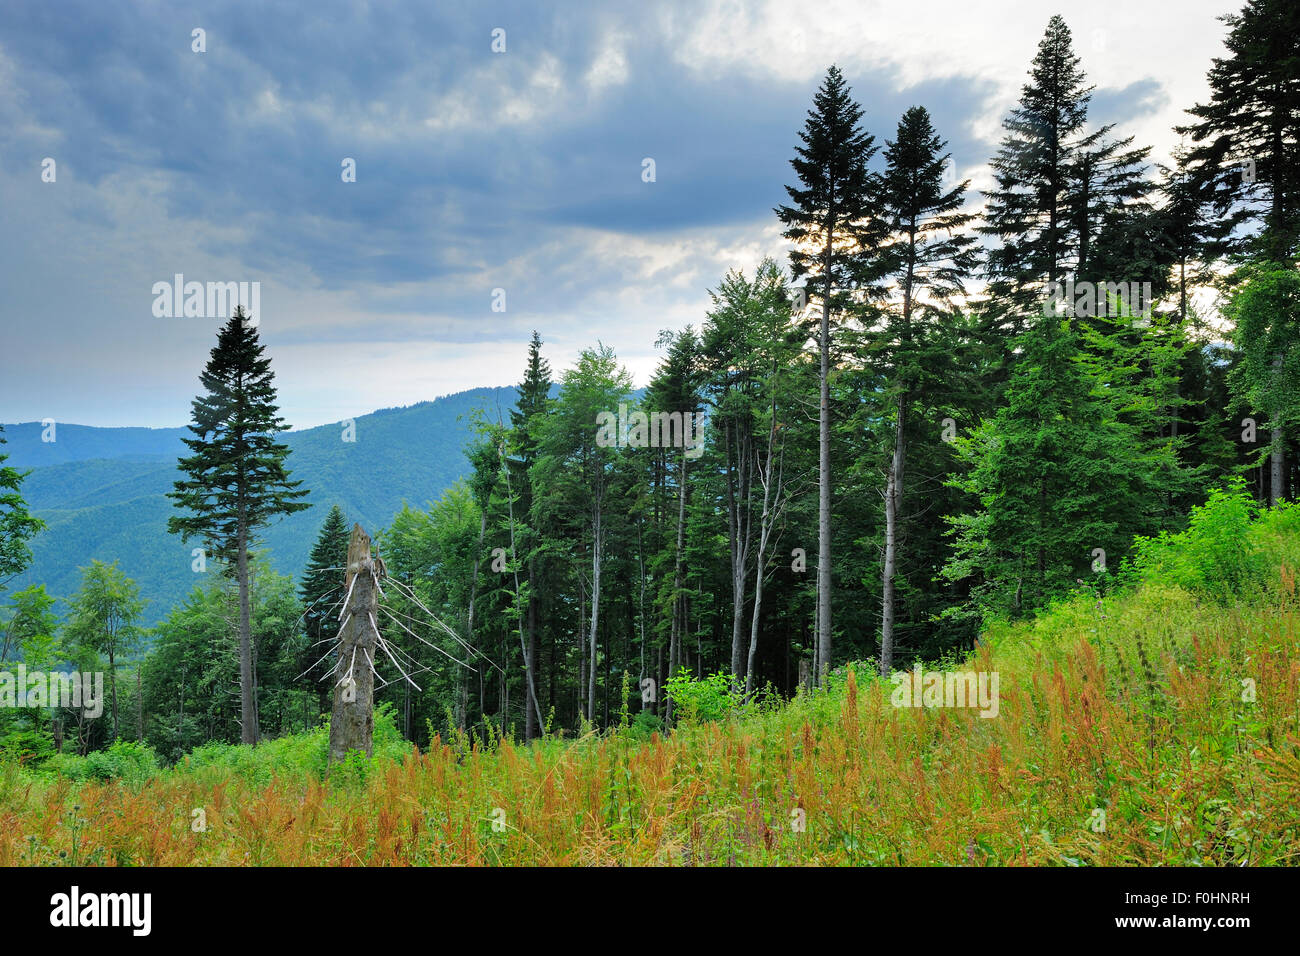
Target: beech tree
point(1266, 312)
point(104, 615)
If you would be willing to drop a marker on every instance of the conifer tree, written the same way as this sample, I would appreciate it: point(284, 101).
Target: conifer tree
point(1246, 155)
point(236, 480)
point(17, 526)
point(319, 589)
point(525, 425)
point(928, 261)
point(835, 224)
point(1188, 236)
point(1029, 211)
point(1057, 474)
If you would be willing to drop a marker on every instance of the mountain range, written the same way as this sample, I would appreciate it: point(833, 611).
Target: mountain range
point(101, 491)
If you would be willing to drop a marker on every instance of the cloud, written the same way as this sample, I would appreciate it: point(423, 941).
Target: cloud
point(475, 170)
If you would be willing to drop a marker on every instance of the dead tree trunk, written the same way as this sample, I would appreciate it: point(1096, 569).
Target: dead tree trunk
point(353, 722)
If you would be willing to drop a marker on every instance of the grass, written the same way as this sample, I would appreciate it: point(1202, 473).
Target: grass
point(1172, 705)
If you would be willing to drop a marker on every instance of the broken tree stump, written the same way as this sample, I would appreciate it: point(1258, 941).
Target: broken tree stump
point(352, 723)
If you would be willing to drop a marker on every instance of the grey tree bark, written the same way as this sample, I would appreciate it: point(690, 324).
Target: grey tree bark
point(771, 510)
point(352, 722)
point(823, 657)
point(1277, 457)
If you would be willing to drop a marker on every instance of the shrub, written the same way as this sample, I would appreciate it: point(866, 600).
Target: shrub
point(1216, 557)
point(700, 701)
point(125, 760)
point(296, 755)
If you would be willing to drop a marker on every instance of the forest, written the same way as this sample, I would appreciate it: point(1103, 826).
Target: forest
point(947, 415)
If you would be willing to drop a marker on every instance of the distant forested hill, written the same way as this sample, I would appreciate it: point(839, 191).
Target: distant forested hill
point(101, 490)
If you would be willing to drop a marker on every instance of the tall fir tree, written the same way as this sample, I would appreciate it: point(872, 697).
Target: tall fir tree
point(236, 480)
point(526, 421)
point(1029, 210)
point(836, 225)
point(929, 259)
point(1246, 152)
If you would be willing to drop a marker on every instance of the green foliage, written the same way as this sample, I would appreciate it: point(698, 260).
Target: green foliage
point(130, 761)
point(17, 525)
point(194, 663)
point(713, 698)
point(298, 755)
point(1266, 316)
point(1056, 472)
point(235, 477)
point(1217, 556)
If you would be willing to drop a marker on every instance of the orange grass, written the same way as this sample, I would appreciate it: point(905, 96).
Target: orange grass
point(1131, 705)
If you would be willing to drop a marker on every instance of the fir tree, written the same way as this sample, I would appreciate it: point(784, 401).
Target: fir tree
point(236, 477)
point(525, 425)
point(17, 526)
point(1056, 473)
point(929, 258)
point(1246, 156)
point(320, 590)
point(1029, 211)
point(835, 224)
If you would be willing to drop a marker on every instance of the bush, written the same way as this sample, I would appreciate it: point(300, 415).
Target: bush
point(297, 755)
point(1216, 557)
point(26, 743)
point(699, 701)
point(644, 724)
point(126, 760)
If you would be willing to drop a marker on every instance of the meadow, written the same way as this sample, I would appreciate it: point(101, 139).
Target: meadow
point(1149, 719)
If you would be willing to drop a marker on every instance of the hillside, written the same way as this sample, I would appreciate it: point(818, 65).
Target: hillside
point(102, 490)
point(1155, 726)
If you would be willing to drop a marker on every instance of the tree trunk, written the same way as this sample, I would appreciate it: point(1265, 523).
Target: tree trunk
point(527, 647)
point(532, 729)
point(823, 658)
point(887, 610)
point(595, 608)
point(462, 697)
point(738, 522)
point(352, 722)
point(180, 718)
point(112, 683)
point(247, 713)
point(1276, 484)
point(675, 638)
point(766, 521)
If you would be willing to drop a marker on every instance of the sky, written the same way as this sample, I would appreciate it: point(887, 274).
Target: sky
point(520, 168)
